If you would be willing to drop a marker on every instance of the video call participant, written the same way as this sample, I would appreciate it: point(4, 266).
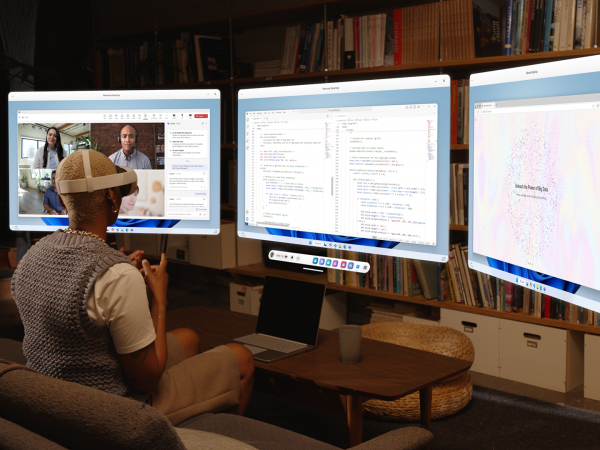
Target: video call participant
point(52, 153)
point(128, 156)
point(128, 202)
point(87, 320)
point(51, 199)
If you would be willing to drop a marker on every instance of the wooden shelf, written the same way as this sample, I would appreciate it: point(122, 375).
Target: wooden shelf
point(459, 227)
point(459, 147)
point(226, 207)
point(464, 65)
point(224, 145)
point(260, 271)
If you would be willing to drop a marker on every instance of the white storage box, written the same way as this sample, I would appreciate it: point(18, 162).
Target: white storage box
point(224, 250)
point(547, 357)
point(333, 313)
point(178, 247)
point(245, 299)
point(484, 334)
point(149, 243)
point(591, 371)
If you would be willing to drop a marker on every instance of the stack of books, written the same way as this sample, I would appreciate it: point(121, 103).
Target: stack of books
point(416, 34)
point(267, 68)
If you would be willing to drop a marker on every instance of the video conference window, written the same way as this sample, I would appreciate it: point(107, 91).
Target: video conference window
point(169, 151)
point(341, 171)
point(536, 189)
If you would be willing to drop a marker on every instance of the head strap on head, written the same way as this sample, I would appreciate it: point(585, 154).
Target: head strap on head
point(91, 183)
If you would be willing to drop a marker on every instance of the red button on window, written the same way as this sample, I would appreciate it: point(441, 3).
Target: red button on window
point(201, 116)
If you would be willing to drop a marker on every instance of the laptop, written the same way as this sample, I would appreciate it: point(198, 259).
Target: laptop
point(288, 320)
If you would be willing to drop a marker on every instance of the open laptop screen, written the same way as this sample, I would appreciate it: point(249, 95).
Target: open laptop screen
point(291, 310)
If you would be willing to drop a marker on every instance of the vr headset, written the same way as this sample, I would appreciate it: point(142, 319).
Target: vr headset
point(125, 179)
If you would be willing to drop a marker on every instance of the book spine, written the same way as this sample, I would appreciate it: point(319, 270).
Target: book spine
point(578, 24)
point(518, 27)
point(330, 45)
point(459, 111)
point(547, 306)
point(557, 24)
point(454, 112)
point(508, 297)
point(548, 26)
point(589, 23)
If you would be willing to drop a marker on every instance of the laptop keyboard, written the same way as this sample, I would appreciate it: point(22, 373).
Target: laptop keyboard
point(271, 343)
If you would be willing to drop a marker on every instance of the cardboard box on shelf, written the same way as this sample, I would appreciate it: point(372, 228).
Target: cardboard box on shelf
point(224, 250)
point(178, 247)
point(245, 299)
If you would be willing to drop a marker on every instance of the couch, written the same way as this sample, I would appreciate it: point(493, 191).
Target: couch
point(41, 412)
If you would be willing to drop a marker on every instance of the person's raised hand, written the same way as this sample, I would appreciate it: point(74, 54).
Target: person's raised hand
point(135, 257)
point(157, 278)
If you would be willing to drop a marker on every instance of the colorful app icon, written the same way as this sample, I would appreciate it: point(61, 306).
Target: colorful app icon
point(357, 266)
point(328, 262)
point(350, 265)
point(272, 254)
point(309, 242)
point(344, 246)
point(322, 261)
point(349, 247)
point(315, 260)
point(343, 265)
point(335, 263)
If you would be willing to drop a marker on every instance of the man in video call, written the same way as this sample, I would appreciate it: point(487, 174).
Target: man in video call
point(51, 202)
point(128, 156)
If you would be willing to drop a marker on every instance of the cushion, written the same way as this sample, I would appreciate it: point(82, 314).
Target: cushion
point(77, 416)
point(203, 440)
point(261, 435)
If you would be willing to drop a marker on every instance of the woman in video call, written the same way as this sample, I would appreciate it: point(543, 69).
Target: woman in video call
point(87, 319)
point(52, 153)
point(128, 202)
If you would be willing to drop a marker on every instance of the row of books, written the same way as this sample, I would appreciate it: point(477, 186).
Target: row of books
point(187, 59)
point(346, 43)
point(457, 283)
point(460, 284)
point(549, 25)
point(459, 194)
point(389, 274)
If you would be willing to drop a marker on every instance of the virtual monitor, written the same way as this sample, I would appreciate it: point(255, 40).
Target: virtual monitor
point(360, 166)
point(535, 192)
point(171, 139)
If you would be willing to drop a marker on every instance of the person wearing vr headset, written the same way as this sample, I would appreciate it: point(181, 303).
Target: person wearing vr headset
point(128, 156)
point(85, 309)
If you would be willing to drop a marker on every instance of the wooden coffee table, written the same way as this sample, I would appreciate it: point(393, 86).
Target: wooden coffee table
point(318, 378)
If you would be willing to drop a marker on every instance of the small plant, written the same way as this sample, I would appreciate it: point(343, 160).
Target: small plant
point(23, 179)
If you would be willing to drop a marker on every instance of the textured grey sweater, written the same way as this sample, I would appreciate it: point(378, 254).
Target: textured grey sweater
point(51, 286)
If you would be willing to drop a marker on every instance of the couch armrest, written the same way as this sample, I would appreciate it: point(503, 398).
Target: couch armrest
point(409, 438)
point(14, 437)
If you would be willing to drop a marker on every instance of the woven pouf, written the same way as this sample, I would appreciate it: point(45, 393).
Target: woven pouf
point(449, 396)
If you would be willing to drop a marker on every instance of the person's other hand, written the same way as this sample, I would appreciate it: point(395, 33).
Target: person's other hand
point(135, 257)
point(157, 279)
point(63, 212)
point(54, 213)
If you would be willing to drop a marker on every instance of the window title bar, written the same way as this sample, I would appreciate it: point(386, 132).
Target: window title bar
point(116, 95)
point(391, 84)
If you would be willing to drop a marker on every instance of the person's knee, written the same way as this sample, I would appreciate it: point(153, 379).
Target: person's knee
point(189, 339)
point(244, 357)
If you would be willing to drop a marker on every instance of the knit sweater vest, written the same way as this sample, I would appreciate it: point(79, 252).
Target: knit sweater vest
point(51, 286)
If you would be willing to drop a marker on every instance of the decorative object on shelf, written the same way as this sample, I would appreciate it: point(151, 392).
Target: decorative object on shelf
point(450, 396)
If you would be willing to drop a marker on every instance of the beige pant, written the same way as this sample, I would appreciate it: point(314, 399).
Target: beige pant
point(208, 382)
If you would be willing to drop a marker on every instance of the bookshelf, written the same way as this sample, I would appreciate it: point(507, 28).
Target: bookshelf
point(260, 271)
point(234, 18)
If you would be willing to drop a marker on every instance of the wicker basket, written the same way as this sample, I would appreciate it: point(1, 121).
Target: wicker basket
point(449, 396)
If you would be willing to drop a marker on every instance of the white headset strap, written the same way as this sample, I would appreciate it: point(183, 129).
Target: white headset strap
point(90, 184)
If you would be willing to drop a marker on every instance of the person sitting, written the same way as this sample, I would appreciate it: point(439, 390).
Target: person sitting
point(86, 316)
point(128, 156)
point(52, 153)
point(51, 200)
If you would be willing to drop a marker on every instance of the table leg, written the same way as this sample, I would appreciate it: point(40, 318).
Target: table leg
point(425, 396)
point(354, 414)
